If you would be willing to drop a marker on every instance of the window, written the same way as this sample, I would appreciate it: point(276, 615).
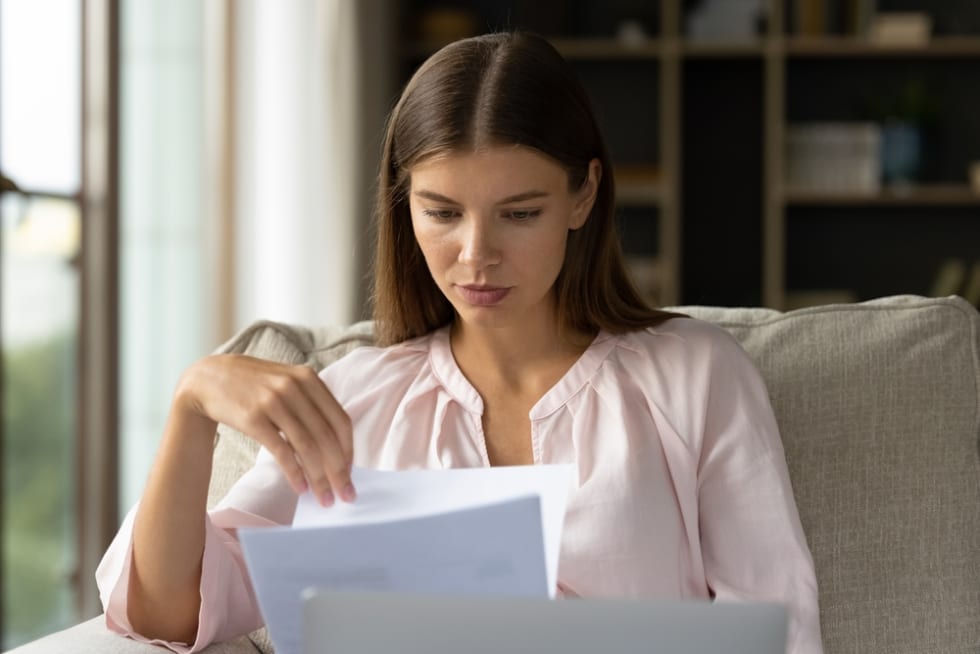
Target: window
point(40, 236)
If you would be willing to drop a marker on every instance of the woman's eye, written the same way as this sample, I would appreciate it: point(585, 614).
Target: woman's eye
point(441, 214)
point(523, 214)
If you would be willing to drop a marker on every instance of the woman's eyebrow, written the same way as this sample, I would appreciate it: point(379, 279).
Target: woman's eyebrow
point(520, 197)
point(435, 197)
point(526, 195)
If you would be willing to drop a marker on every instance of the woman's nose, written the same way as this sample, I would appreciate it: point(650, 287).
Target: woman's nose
point(478, 247)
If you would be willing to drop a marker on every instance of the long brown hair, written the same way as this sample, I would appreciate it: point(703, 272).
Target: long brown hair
point(499, 89)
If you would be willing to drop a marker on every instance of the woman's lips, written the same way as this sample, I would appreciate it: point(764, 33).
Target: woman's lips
point(483, 296)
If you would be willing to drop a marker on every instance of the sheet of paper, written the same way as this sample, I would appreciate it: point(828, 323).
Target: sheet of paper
point(386, 495)
point(419, 531)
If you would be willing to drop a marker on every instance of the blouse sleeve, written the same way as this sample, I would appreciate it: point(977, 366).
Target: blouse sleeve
point(261, 498)
point(752, 542)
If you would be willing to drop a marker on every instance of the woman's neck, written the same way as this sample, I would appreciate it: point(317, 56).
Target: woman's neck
point(517, 356)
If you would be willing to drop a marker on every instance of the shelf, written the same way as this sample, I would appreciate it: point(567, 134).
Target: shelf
point(721, 50)
point(933, 195)
point(840, 47)
point(612, 49)
point(638, 186)
point(638, 194)
point(828, 47)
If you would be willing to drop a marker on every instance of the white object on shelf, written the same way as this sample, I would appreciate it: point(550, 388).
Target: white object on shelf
point(725, 21)
point(910, 28)
point(630, 34)
point(833, 157)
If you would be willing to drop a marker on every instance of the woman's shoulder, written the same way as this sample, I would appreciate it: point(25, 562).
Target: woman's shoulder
point(371, 367)
point(687, 338)
point(683, 353)
point(399, 352)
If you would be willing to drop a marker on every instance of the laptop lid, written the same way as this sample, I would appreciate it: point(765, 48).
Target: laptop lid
point(347, 622)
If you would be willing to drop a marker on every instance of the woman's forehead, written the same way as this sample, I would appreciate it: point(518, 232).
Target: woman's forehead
point(487, 164)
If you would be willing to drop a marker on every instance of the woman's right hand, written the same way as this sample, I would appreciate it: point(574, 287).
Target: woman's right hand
point(286, 408)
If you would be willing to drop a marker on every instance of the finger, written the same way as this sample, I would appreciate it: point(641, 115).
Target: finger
point(268, 435)
point(302, 440)
point(337, 469)
point(336, 462)
point(307, 454)
point(330, 409)
point(338, 446)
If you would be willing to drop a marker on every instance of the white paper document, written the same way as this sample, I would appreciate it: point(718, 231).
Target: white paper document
point(482, 531)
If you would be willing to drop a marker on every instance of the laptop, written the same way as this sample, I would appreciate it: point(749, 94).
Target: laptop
point(357, 622)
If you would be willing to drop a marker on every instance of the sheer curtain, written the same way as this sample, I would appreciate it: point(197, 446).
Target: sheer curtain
point(310, 115)
point(246, 187)
point(166, 319)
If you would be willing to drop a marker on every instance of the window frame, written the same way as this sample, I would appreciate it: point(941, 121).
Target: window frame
point(96, 430)
point(98, 351)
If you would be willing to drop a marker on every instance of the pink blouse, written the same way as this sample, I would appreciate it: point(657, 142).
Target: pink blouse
point(682, 486)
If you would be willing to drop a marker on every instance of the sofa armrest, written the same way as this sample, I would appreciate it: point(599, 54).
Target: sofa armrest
point(92, 637)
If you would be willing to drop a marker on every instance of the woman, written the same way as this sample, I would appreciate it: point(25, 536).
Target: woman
point(508, 333)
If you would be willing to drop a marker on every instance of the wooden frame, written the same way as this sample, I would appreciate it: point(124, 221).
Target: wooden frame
point(98, 358)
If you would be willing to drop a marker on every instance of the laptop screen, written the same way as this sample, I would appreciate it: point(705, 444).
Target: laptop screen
point(338, 622)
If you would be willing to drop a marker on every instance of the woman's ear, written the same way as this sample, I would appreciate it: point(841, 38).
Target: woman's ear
point(585, 196)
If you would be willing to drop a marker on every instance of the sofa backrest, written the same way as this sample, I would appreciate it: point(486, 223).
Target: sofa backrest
point(879, 409)
point(877, 405)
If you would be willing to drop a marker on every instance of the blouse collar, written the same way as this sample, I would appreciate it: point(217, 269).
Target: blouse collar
point(462, 391)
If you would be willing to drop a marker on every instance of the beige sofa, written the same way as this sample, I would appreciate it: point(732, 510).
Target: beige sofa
point(879, 407)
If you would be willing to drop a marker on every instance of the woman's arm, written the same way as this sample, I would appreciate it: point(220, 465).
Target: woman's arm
point(169, 533)
point(752, 541)
point(288, 410)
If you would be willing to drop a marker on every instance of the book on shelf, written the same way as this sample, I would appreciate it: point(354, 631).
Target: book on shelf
point(817, 18)
point(811, 17)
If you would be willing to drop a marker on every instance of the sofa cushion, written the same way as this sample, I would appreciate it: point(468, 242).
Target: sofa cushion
point(877, 405)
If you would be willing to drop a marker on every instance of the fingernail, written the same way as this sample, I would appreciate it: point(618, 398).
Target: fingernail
point(349, 494)
point(302, 487)
point(327, 498)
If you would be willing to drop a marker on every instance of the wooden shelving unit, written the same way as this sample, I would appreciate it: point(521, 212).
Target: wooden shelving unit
point(667, 58)
point(844, 47)
point(783, 48)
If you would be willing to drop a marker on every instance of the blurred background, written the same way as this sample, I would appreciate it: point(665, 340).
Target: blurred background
point(176, 169)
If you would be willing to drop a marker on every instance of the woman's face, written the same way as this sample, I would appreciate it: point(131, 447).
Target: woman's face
point(493, 225)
